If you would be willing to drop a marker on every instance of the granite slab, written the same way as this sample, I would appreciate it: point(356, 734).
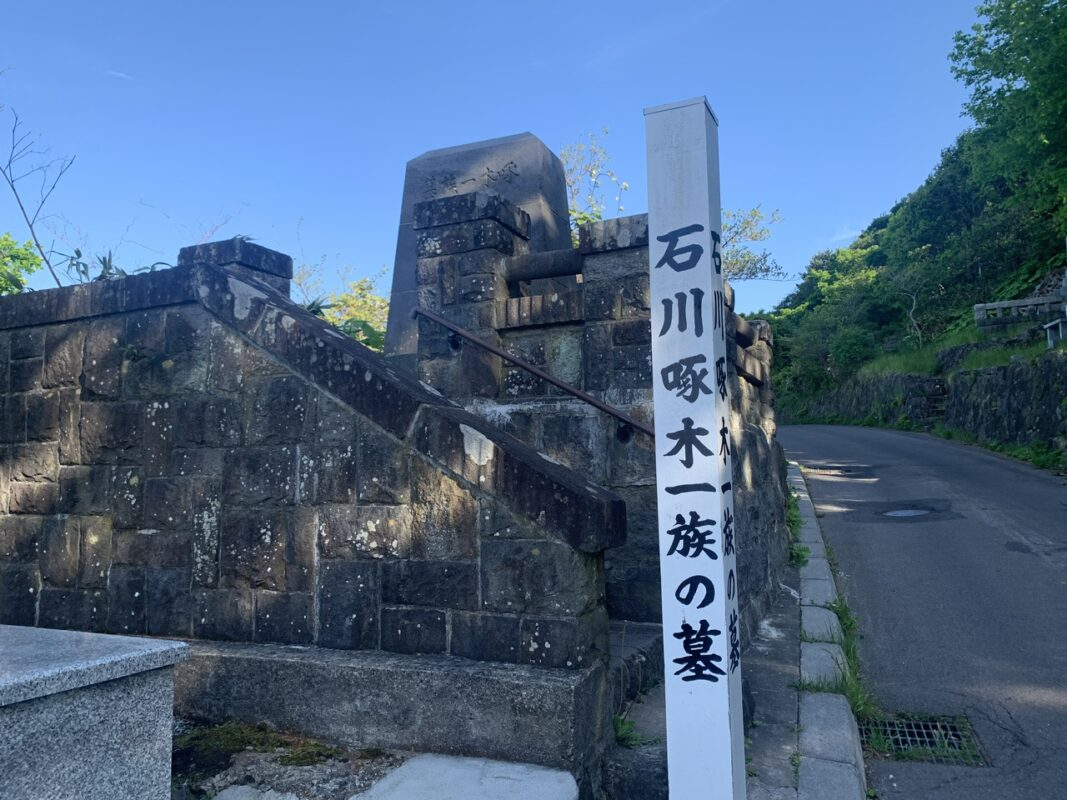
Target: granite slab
point(36, 662)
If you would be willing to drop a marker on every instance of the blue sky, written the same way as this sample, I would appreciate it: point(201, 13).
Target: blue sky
point(292, 125)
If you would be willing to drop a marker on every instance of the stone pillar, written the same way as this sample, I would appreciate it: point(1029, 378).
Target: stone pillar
point(520, 169)
point(273, 268)
point(462, 243)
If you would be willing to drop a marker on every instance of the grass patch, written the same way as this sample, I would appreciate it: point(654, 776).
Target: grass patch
point(1001, 356)
point(1041, 454)
point(625, 734)
point(798, 553)
point(848, 682)
point(793, 520)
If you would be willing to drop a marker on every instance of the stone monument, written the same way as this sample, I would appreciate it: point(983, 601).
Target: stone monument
point(519, 168)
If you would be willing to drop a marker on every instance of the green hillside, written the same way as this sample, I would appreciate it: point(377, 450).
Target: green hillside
point(988, 224)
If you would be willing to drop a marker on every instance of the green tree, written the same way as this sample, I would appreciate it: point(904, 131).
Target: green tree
point(1014, 61)
point(17, 261)
point(740, 229)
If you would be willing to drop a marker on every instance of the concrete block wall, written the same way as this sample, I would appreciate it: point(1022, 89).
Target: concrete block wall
point(596, 337)
point(187, 453)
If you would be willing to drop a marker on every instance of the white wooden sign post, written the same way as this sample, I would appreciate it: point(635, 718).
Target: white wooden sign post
point(697, 540)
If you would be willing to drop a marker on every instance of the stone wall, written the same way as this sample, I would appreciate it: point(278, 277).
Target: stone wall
point(881, 400)
point(477, 268)
point(187, 453)
point(1019, 403)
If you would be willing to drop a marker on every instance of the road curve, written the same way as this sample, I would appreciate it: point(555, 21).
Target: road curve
point(961, 594)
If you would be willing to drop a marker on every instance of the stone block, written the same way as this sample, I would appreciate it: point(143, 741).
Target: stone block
point(596, 357)
point(206, 421)
point(42, 417)
point(486, 637)
point(186, 328)
point(164, 375)
point(284, 617)
point(20, 537)
point(444, 515)
point(820, 624)
point(169, 604)
point(26, 376)
point(13, 422)
point(466, 237)
point(104, 355)
point(413, 630)
point(232, 361)
point(257, 476)
point(64, 345)
point(327, 474)
point(84, 490)
point(428, 704)
point(60, 552)
point(33, 498)
point(442, 584)
point(348, 604)
point(365, 531)
point(126, 600)
point(33, 463)
point(816, 569)
point(27, 343)
point(227, 614)
point(578, 441)
point(619, 233)
point(538, 577)
point(73, 609)
point(631, 332)
point(821, 663)
point(829, 780)
point(20, 585)
point(69, 426)
point(111, 432)
point(469, 207)
point(276, 410)
point(828, 729)
point(146, 333)
point(163, 287)
point(252, 548)
point(175, 503)
point(383, 467)
point(241, 252)
point(335, 424)
point(96, 710)
point(817, 592)
point(152, 548)
point(566, 643)
point(94, 551)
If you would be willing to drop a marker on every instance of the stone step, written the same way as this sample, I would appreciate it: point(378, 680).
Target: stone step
point(636, 660)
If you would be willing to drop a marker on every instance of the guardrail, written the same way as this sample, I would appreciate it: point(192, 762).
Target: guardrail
point(1009, 312)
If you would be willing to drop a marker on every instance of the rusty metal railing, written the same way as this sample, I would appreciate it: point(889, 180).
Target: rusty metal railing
point(621, 416)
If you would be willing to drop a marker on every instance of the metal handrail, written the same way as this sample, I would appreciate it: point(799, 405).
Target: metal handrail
point(492, 348)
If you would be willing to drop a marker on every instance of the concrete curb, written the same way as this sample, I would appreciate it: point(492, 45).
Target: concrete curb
point(831, 755)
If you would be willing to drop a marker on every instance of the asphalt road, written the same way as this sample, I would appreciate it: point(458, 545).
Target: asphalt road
point(963, 609)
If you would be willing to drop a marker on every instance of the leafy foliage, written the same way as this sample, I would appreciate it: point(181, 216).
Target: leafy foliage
point(740, 228)
point(586, 166)
point(358, 311)
point(17, 262)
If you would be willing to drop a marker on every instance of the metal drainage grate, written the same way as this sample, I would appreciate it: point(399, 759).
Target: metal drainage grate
point(941, 740)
